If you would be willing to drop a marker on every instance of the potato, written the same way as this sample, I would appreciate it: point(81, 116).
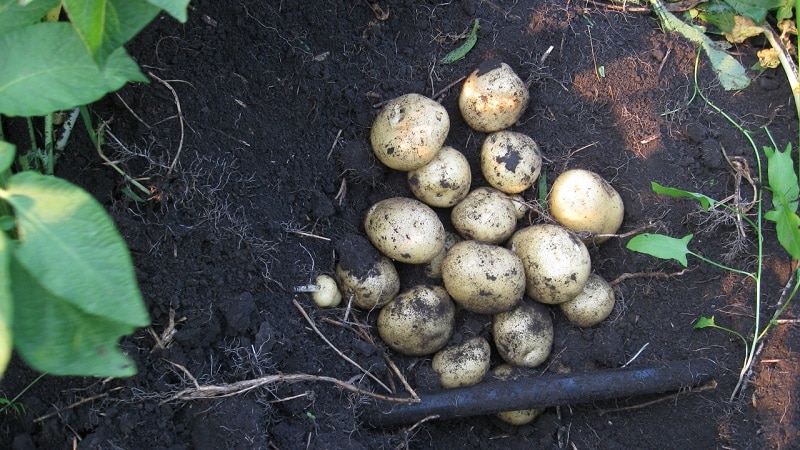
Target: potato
point(328, 295)
point(462, 365)
point(556, 262)
point(524, 335)
point(419, 321)
point(483, 278)
point(520, 206)
point(433, 269)
point(493, 97)
point(444, 181)
point(584, 202)
point(592, 305)
point(507, 372)
point(408, 132)
point(485, 214)
point(364, 274)
point(510, 161)
point(405, 230)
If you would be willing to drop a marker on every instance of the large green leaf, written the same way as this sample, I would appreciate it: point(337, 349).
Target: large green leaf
point(14, 14)
point(175, 8)
point(787, 227)
point(45, 68)
point(6, 305)
point(782, 178)
point(661, 246)
point(755, 9)
point(70, 244)
point(54, 336)
point(106, 25)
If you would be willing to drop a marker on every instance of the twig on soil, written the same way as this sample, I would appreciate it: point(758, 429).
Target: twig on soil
point(74, 405)
point(402, 378)
point(447, 88)
point(335, 141)
point(628, 276)
point(180, 120)
point(136, 116)
point(706, 387)
point(165, 339)
point(307, 234)
point(338, 352)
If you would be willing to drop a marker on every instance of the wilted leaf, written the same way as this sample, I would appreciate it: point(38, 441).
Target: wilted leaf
point(743, 29)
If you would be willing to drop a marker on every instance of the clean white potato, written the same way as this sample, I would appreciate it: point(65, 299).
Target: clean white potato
point(328, 295)
point(507, 372)
point(485, 214)
point(556, 261)
point(444, 181)
point(510, 161)
point(462, 365)
point(405, 230)
point(433, 269)
point(408, 131)
point(419, 321)
point(524, 335)
point(483, 278)
point(593, 305)
point(584, 202)
point(493, 97)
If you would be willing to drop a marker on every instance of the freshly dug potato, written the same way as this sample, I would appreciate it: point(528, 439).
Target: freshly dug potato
point(524, 335)
point(556, 261)
point(419, 321)
point(510, 161)
point(405, 230)
point(483, 278)
point(328, 295)
point(592, 305)
point(583, 201)
point(462, 365)
point(506, 372)
point(433, 269)
point(364, 274)
point(408, 131)
point(493, 97)
point(444, 181)
point(485, 214)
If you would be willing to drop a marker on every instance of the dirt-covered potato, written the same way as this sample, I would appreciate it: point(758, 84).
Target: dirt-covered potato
point(592, 305)
point(328, 295)
point(405, 230)
point(486, 215)
point(524, 335)
point(510, 161)
point(583, 201)
point(433, 269)
point(520, 206)
point(419, 321)
point(444, 181)
point(483, 278)
point(493, 97)
point(408, 131)
point(507, 372)
point(364, 274)
point(556, 261)
point(462, 365)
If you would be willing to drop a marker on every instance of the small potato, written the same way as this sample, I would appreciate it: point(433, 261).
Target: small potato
point(444, 181)
point(462, 365)
point(328, 295)
point(364, 274)
point(433, 269)
point(486, 215)
point(556, 261)
point(493, 97)
point(419, 321)
point(510, 161)
point(409, 131)
point(405, 230)
point(524, 335)
point(520, 206)
point(592, 305)
point(583, 201)
point(483, 278)
point(507, 372)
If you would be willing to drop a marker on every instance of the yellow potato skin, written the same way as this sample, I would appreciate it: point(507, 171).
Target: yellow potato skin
point(493, 97)
point(419, 321)
point(405, 229)
point(582, 200)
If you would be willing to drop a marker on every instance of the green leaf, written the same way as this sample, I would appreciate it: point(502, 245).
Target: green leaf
point(106, 25)
point(782, 178)
point(787, 227)
point(69, 243)
point(706, 202)
point(661, 246)
point(53, 335)
point(7, 152)
point(6, 305)
point(48, 59)
point(14, 14)
point(175, 8)
point(705, 322)
point(754, 9)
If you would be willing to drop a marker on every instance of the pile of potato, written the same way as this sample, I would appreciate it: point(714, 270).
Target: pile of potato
point(490, 264)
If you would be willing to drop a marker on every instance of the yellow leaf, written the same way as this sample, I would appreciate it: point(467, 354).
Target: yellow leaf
point(743, 28)
point(768, 58)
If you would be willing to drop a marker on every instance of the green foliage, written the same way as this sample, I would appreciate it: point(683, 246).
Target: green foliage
point(783, 183)
point(706, 202)
point(462, 50)
point(661, 246)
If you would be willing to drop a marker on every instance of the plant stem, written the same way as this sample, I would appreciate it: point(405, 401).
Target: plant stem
point(48, 165)
point(722, 266)
point(22, 392)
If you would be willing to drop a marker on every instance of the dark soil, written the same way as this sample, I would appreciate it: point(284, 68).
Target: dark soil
point(274, 166)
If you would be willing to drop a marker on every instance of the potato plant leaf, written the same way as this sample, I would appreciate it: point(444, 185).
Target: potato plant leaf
point(755, 9)
point(14, 14)
point(7, 152)
point(6, 305)
point(662, 246)
point(175, 8)
point(706, 202)
point(782, 177)
point(704, 322)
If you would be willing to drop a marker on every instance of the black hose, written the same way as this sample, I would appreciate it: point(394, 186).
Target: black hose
point(544, 391)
